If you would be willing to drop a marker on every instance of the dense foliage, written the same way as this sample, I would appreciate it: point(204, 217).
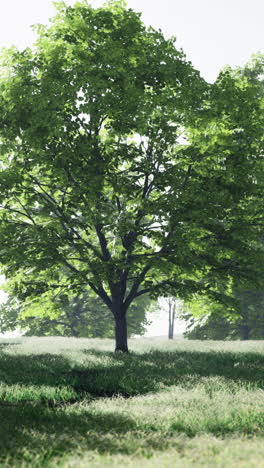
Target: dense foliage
point(95, 178)
point(217, 323)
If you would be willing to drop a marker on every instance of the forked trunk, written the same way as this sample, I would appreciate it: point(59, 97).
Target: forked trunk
point(121, 333)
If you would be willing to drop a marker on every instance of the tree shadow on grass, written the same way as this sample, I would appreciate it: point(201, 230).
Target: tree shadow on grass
point(33, 429)
point(137, 374)
point(112, 374)
point(33, 369)
point(27, 433)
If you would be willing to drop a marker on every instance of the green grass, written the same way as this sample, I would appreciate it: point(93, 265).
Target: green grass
point(67, 402)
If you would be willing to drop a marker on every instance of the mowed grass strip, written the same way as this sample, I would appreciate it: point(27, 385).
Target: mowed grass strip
point(73, 402)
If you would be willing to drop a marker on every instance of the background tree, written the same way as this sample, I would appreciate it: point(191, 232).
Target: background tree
point(172, 313)
point(80, 316)
point(95, 180)
point(174, 308)
point(211, 321)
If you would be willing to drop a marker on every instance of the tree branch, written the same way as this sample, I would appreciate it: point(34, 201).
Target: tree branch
point(134, 290)
point(61, 216)
point(103, 242)
point(101, 293)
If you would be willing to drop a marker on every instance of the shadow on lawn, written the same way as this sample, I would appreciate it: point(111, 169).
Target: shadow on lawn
point(38, 429)
point(45, 434)
point(133, 374)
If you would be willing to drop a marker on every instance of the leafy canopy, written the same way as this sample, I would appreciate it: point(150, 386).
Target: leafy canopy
point(95, 178)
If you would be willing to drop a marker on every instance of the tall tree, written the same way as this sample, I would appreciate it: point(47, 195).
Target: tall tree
point(94, 178)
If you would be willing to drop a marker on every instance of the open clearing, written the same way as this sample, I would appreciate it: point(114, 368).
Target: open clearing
point(67, 402)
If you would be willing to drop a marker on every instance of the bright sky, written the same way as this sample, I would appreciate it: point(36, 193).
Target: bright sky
point(212, 33)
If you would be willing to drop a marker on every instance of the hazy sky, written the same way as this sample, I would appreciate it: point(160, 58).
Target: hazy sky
point(212, 33)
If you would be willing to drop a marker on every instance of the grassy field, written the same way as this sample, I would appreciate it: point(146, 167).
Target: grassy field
point(67, 402)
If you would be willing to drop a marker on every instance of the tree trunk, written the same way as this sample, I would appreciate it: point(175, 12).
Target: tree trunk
point(245, 332)
point(121, 333)
point(245, 328)
point(172, 309)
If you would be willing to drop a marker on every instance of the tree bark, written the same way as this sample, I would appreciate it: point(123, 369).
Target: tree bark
point(172, 309)
point(121, 333)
